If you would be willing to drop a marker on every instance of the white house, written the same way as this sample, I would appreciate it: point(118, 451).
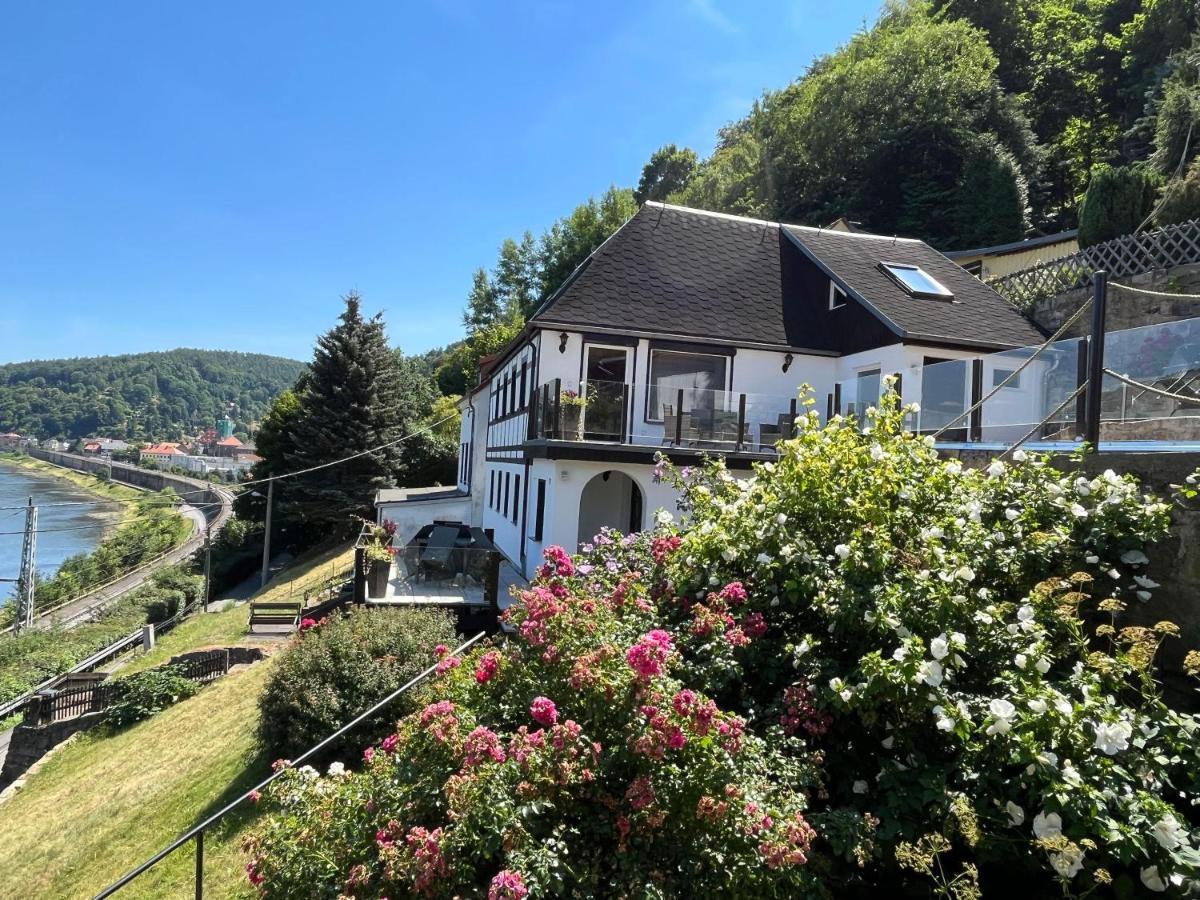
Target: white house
point(690, 332)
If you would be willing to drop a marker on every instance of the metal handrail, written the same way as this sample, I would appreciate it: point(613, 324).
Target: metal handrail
point(197, 832)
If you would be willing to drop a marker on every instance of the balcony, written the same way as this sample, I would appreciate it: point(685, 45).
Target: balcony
point(640, 415)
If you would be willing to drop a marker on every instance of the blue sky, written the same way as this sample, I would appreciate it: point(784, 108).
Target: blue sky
point(218, 174)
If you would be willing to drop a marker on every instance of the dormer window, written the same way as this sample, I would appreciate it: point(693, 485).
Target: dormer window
point(916, 281)
point(837, 297)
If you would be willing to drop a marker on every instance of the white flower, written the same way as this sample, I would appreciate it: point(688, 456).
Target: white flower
point(781, 519)
point(933, 531)
point(965, 573)
point(1047, 825)
point(846, 695)
point(1134, 558)
point(1016, 815)
point(1091, 559)
point(1112, 737)
point(1042, 665)
point(1144, 596)
point(729, 554)
point(1002, 714)
point(931, 673)
point(308, 773)
point(1064, 707)
point(996, 469)
point(888, 742)
point(1168, 832)
point(842, 551)
point(1021, 660)
point(336, 770)
point(1144, 582)
point(939, 647)
point(900, 653)
point(1012, 514)
point(1038, 705)
point(1078, 511)
point(860, 787)
point(663, 517)
point(974, 510)
point(877, 452)
point(1114, 574)
point(954, 467)
point(1152, 880)
point(1025, 613)
point(1067, 863)
point(1020, 456)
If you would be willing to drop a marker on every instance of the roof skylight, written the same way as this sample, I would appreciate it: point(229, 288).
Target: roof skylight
point(917, 281)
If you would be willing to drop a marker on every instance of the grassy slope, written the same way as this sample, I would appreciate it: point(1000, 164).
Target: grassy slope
point(104, 804)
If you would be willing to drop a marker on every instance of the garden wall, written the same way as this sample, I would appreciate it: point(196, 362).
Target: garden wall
point(1125, 309)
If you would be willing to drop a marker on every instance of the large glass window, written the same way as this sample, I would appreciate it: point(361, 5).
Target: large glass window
point(701, 377)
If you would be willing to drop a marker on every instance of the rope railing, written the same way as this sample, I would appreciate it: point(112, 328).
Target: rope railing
point(197, 832)
point(1048, 419)
point(1012, 376)
point(1150, 389)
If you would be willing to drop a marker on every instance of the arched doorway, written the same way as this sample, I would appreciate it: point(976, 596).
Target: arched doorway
point(610, 499)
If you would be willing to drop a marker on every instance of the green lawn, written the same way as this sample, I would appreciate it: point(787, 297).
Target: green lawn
point(101, 805)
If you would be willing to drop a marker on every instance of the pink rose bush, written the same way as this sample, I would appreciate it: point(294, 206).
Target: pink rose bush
point(861, 670)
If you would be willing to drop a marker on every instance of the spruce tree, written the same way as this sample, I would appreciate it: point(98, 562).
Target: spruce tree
point(355, 400)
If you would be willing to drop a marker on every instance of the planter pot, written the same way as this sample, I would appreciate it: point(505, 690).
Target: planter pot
point(377, 579)
point(572, 423)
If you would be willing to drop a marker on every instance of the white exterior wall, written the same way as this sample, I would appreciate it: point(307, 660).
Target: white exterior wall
point(498, 514)
point(506, 403)
point(411, 516)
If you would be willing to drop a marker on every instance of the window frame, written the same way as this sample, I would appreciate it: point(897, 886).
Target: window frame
point(648, 411)
point(834, 291)
point(888, 268)
point(999, 374)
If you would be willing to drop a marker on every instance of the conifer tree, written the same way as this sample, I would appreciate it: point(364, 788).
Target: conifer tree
point(356, 399)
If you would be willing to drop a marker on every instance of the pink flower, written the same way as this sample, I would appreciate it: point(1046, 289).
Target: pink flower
point(447, 663)
point(736, 637)
point(664, 547)
point(389, 743)
point(755, 625)
point(640, 793)
point(734, 592)
point(481, 745)
point(441, 650)
point(648, 655)
point(558, 562)
point(507, 886)
point(684, 701)
point(543, 711)
point(307, 623)
point(489, 665)
point(369, 754)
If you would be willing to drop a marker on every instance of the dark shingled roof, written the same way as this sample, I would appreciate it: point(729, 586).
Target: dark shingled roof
point(678, 271)
point(977, 315)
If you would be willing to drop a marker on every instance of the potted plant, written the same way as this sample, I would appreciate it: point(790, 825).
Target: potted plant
point(572, 404)
point(376, 544)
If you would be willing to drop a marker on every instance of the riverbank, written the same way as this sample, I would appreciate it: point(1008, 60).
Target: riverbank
point(98, 487)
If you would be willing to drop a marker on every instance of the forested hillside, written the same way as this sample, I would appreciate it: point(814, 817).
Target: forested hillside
point(142, 395)
point(963, 122)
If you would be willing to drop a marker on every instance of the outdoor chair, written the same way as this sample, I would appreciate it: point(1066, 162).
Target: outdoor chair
point(768, 435)
point(438, 556)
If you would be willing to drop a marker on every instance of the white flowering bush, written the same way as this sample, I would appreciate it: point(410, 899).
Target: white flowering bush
point(950, 643)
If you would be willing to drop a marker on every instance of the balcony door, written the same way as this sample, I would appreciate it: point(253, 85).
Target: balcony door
point(605, 371)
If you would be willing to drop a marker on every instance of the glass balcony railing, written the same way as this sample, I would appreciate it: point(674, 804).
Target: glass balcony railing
point(658, 415)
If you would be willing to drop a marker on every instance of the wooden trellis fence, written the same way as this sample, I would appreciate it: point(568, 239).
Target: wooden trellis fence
point(1132, 254)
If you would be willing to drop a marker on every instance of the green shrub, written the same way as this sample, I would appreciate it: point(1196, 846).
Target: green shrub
point(142, 695)
point(331, 673)
point(1181, 198)
point(163, 604)
point(1117, 201)
point(866, 671)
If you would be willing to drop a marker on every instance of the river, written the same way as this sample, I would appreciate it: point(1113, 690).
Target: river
point(62, 531)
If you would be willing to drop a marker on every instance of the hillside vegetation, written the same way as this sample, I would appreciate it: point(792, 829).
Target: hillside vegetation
point(140, 396)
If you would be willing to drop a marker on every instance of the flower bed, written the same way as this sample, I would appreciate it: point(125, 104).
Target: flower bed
point(863, 670)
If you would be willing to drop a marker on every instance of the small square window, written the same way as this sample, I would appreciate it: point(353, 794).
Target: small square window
point(916, 281)
point(837, 297)
point(998, 376)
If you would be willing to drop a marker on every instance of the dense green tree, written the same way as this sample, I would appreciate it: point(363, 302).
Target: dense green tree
point(571, 239)
point(483, 303)
point(669, 170)
point(358, 397)
point(517, 277)
point(1117, 202)
point(1180, 200)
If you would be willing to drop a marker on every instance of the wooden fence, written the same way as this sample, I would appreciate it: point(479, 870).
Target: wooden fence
point(56, 706)
point(1132, 254)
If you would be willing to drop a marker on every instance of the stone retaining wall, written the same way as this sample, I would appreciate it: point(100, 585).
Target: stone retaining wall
point(29, 744)
point(1125, 309)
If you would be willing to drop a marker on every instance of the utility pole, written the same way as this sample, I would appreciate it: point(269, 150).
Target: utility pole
point(266, 563)
point(1095, 360)
point(28, 579)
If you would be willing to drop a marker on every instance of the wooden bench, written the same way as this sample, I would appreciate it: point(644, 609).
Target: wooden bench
point(275, 614)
